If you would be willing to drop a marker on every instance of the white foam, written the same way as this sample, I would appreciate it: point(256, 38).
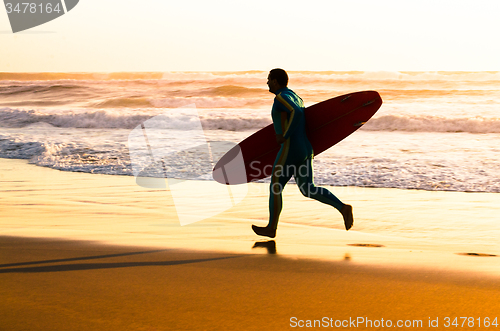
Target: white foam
point(433, 124)
point(230, 121)
point(123, 119)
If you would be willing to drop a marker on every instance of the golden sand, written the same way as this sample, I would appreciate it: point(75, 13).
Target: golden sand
point(96, 252)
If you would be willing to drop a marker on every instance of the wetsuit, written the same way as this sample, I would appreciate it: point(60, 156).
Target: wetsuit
point(295, 156)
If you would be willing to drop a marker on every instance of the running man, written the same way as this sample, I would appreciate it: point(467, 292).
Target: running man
point(295, 156)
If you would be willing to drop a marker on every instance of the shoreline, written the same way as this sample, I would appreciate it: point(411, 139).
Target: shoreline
point(47, 203)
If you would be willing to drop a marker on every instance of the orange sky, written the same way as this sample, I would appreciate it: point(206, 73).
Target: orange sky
point(161, 35)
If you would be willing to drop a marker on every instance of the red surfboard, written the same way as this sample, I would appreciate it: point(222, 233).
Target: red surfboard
point(327, 123)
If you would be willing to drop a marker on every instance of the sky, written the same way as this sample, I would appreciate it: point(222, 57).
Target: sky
point(219, 35)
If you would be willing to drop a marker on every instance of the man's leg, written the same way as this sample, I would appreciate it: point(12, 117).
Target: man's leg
point(304, 179)
point(281, 175)
point(278, 182)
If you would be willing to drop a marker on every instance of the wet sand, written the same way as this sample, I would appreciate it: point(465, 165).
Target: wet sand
point(94, 252)
point(50, 284)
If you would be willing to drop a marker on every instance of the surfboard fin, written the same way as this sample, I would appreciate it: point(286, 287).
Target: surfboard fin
point(358, 124)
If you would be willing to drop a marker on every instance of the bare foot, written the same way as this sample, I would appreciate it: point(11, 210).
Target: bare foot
point(348, 218)
point(264, 231)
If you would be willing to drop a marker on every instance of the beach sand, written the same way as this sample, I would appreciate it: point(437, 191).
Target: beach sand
point(96, 252)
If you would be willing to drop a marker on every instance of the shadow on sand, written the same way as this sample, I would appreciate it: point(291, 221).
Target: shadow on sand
point(97, 266)
point(269, 245)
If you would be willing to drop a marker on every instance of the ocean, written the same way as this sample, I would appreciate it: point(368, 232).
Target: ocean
point(437, 131)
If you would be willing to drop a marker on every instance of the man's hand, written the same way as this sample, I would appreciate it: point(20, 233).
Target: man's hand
point(280, 139)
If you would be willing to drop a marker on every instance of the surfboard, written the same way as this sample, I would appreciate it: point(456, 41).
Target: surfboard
point(327, 123)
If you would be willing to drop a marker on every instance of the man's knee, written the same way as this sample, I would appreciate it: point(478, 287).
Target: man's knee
point(307, 189)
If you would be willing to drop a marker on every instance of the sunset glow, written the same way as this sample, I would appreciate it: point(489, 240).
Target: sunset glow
point(233, 35)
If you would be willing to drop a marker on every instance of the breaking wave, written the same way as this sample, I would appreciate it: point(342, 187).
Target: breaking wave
point(433, 124)
point(16, 118)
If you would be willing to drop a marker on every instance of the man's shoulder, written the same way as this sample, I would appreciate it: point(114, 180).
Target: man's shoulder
point(285, 91)
point(287, 95)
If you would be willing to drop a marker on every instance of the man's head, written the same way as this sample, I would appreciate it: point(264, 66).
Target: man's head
point(277, 79)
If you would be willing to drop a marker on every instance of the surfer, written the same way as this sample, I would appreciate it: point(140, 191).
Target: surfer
point(294, 157)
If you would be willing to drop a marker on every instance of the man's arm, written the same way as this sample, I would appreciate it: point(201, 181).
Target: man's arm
point(293, 121)
point(279, 115)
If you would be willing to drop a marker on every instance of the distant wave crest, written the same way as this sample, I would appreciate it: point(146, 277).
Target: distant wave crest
point(256, 76)
point(36, 88)
point(201, 102)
